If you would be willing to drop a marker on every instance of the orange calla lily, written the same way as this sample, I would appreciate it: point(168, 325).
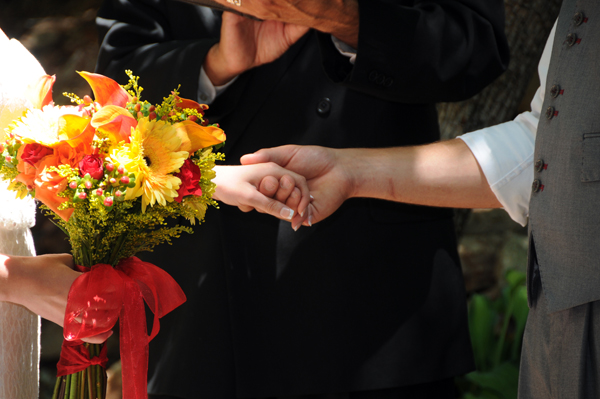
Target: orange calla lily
point(187, 103)
point(74, 130)
point(116, 122)
point(40, 93)
point(48, 185)
point(119, 129)
point(107, 114)
point(202, 136)
point(186, 144)
point(106, 91)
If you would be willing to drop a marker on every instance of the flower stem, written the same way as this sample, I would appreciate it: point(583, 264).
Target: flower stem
point(56, 388)
point(82, 384)
point(68, 386)
point(91, 379)
point(74, 381)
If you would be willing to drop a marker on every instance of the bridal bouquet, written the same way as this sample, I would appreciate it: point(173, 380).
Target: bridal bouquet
point(111, 172)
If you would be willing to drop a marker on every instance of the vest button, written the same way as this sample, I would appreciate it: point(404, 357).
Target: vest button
point(324, 106)
point(571, 39)
point(578, 18)
point(539, 165)
point(550, 112)
point(535, 187)
point(555, 91)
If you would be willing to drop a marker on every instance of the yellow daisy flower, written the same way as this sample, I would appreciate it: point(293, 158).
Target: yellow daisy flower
point(152, 155)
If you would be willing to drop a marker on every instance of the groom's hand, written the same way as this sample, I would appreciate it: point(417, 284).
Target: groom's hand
point(326, 171)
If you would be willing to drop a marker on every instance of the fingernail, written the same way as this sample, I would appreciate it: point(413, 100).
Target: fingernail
point(296, 227)
point(286, 213)
point(302, 213)
point(311, 197)
point(310, 220)
point(284, 184)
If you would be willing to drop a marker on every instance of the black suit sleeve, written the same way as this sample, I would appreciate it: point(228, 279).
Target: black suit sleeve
point(423, 51)
point(162, 42)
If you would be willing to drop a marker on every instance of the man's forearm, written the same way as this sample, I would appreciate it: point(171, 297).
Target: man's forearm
point(442, 174)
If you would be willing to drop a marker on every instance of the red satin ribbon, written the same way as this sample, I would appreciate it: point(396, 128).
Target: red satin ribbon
point(103, 294)
point(74, 357)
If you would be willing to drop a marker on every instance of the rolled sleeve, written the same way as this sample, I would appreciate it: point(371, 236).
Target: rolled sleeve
point(505, 152)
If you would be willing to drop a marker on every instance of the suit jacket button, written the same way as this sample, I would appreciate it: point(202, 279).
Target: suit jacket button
point(535, 187)
point(550, 112)
point(539, 165)
point(380, 79)
point(578, 18)
point(555, 91)
point(571, 39)
point(388, 82)
point(324, 106)
point(373, 76)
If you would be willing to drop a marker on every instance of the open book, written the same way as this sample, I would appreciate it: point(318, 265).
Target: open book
point(217, 6)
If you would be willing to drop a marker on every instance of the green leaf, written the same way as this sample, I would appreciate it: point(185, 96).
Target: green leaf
point(515, 278)
point(482, 318)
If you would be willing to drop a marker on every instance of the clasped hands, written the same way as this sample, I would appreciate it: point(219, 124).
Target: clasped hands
point(300, 184)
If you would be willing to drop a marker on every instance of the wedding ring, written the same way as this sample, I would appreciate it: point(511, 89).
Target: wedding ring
point(235, 2)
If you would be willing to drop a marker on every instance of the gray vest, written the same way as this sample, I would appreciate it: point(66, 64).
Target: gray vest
point(564, 214)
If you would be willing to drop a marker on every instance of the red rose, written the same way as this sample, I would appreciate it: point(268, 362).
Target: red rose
point(32, 153)
point(91, 164)
point(190, 180)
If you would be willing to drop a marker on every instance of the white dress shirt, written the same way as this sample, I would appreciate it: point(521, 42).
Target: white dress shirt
point(505, 151)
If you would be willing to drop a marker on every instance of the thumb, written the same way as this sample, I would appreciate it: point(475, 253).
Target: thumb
point(270, 206)
point(261, 156)
point(279, 155)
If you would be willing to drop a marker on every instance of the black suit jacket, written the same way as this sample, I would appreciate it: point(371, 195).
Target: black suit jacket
point(370, 298)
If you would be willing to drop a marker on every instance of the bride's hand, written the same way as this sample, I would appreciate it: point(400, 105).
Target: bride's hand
point(41, 284)
point(266, 188)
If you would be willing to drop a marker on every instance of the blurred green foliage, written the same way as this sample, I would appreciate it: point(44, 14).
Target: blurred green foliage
point(496, 328)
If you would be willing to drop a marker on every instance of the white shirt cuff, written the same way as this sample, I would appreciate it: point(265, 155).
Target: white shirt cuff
point(345, 49)
point(505, 154)
point(207, 92)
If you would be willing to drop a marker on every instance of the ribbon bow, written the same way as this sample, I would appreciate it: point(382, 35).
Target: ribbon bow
point(103, 294)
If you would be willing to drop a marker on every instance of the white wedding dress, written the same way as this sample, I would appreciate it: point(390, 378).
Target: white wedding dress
point(19, 328)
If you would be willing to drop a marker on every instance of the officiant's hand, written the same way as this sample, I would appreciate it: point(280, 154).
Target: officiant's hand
point(329, 179)
point(41, 284)
point(247, 43)
point(266, 188)
point(338, 17)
